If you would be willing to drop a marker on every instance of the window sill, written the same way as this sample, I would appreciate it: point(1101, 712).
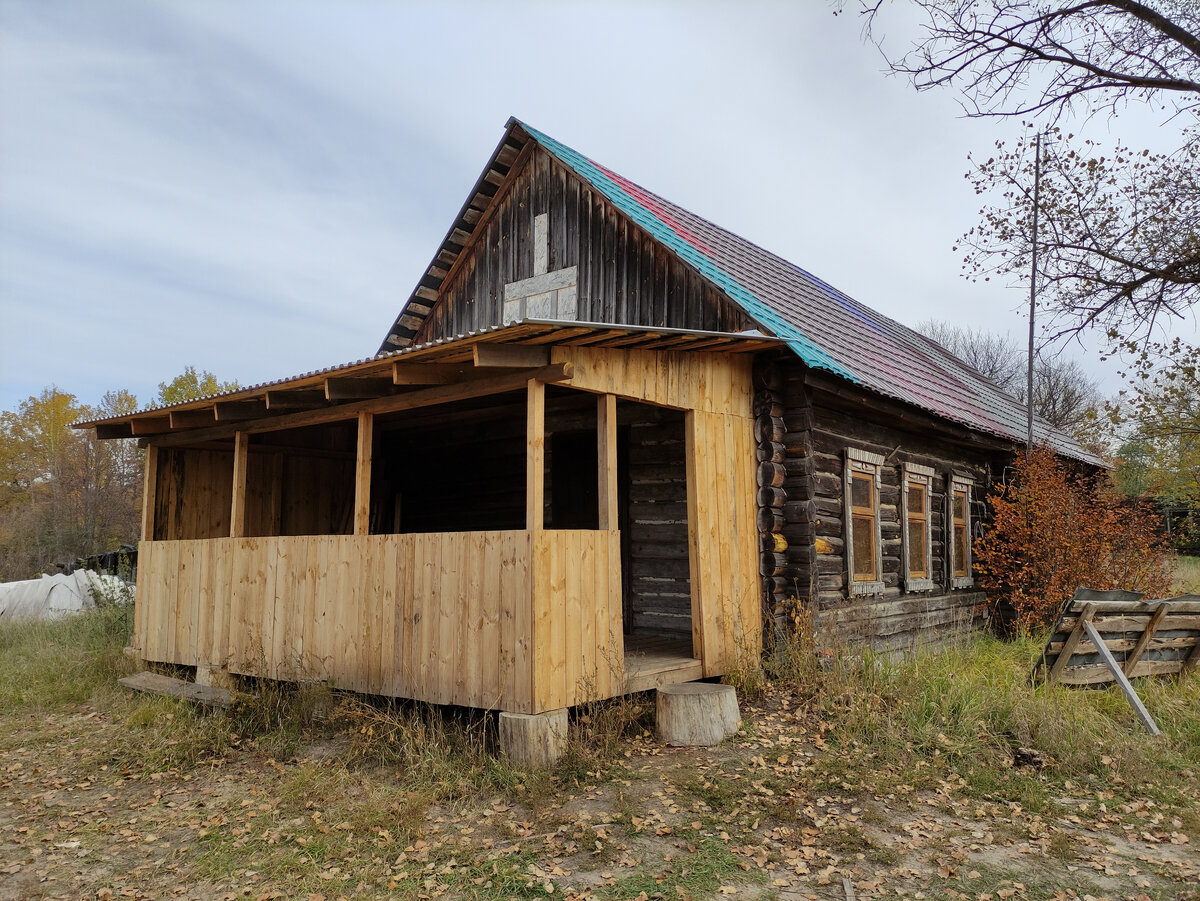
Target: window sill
point(862, 588)
point(919, 585)
point(962, 582)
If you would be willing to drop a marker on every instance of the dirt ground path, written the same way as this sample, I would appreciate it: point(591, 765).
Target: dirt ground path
point(759, 817)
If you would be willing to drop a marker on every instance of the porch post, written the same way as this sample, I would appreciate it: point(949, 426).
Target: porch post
point(237, 510)
point(362, 474)
point(535, 455)
point(148, 492)
point(606, 454)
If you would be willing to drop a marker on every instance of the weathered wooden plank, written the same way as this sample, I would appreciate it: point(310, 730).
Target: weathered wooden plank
point(156, 683)
point(1072, 642)
point(1117, 645)
point(1111, 624)
point(1121, 678)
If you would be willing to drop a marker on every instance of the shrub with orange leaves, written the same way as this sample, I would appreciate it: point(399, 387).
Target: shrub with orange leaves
point(1052, 531)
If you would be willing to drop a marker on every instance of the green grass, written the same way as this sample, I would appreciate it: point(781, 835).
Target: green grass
point(963, 712)
point(46, 665)
point(1187, 575)
point(934, 728)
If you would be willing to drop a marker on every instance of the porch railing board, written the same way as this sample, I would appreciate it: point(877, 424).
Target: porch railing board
point(449, 618)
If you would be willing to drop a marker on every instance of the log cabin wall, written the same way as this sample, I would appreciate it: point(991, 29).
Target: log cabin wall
point(621, 274)
point(659, 593)
point(819, 427)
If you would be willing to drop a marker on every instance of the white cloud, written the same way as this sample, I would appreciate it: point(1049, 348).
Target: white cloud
point(255, 187)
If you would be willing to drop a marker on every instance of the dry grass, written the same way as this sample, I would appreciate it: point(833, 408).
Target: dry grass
point(309, 791)
point(1187, 575)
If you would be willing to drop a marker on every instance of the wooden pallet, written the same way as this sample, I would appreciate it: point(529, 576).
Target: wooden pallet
point(156, 683)
point(1115, 636)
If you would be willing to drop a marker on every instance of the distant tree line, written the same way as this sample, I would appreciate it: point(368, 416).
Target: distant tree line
point(65, 495)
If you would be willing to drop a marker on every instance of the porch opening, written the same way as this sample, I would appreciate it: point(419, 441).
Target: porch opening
point(655, 547)
point(453, 468)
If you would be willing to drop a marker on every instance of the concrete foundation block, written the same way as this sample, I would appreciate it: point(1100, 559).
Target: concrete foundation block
point(697, 714)
point(534, 740)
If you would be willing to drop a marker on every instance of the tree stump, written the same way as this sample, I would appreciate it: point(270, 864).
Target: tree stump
point(697, 714)
point(534, 741)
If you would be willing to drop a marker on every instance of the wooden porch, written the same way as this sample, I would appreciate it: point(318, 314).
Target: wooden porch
point(283, 549)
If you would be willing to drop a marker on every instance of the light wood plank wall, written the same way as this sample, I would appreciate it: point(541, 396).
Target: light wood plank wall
point(717, 390)
point(455, 617)
point(449, 618)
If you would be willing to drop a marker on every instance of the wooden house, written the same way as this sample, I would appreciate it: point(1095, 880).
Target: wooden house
point(603, 447)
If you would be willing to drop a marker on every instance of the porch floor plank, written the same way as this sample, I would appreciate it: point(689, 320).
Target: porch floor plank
point(652, 661)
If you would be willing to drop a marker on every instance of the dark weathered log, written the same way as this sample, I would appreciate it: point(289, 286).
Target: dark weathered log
point(770, 519)
point(771, 475)
point(829, 526)
point(827, 485)
point(799, 466)
point(771, 452)
point(771, 497)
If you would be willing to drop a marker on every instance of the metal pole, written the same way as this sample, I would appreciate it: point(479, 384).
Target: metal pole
point(1037, 185)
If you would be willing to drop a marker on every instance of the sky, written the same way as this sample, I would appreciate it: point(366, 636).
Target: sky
point(253, 188)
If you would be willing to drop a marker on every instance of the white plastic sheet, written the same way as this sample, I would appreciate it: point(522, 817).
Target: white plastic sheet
point(53, 597)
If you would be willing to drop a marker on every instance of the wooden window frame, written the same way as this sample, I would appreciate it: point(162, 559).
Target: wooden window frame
point(955, 484)
point(863, 463)
point(916, 474)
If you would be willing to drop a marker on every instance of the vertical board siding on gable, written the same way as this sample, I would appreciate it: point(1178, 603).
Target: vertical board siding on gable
point(624, 276)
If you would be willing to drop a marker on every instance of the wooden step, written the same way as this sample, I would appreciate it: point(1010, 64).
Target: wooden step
point(156, 683)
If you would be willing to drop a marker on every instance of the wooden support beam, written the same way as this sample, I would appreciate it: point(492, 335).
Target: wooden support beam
point(606, 454)
point(514, 356)
point(1135, 655)
point(191, 419)
point(150, 425)
point(425, 374)
point(149, 489)
point(1193, 659)
point(362, 474)
point(357, 389)
point(240, 410)
point(429, 397)
point(237, 510)
point(296, 399)
point(1072, 642)
point(1122, 680)
point(535, 455)
point(105, 431)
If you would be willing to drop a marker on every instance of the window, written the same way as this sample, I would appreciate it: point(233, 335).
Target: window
point(960, 532)
point(864, 557)
point(917, 524)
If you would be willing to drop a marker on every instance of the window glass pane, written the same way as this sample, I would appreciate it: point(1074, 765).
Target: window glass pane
point(864, 547)
point(916, 498)
point(960, 505)
point(916, 549)
point(862, 492)
point(960, 549)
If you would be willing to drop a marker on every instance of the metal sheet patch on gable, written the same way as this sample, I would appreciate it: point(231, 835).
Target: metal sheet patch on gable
point(609, 184)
